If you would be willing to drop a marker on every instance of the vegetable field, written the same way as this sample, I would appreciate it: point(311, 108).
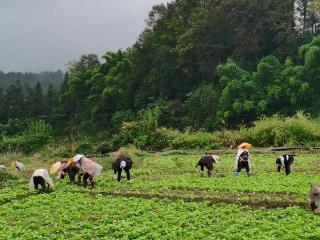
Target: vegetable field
point(167, 200)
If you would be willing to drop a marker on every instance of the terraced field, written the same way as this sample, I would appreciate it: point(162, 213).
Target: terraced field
point(167, 200)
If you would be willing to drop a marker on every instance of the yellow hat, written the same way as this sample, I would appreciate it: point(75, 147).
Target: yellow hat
point(70, 161)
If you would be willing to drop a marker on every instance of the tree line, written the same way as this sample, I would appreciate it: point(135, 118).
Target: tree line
point(29, 80)
point(206, 64)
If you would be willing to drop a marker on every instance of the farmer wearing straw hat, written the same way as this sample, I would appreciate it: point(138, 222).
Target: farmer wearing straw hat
point(66, 166)
point(122, 163)
point(242, 159)
point(19, 166)
point(90, 168)
point(40, 177)
point(62, 170)
point(207, 161)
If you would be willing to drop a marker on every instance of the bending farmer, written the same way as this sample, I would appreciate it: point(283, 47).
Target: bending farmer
point(40, 177)
point(90, 169)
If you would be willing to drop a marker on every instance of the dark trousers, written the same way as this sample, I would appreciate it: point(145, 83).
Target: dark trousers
point(243, 164)
point(119, 174)
point(39, 181)
point(72, 175)
point(313, 206)
point(85, 178)
point(287, 166)
point(210, 168)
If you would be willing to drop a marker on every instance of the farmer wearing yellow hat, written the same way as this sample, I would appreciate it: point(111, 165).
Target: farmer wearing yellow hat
point(73, 169)
point(64, 167)
point(242, 159)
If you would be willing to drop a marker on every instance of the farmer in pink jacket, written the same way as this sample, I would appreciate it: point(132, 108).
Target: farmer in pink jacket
point(90, 168)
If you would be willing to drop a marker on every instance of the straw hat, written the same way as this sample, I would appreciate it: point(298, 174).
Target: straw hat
point(245, 145)
point(216, 158)
point(55, 167)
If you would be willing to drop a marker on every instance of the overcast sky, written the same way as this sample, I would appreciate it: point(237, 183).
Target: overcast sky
point(40, 35)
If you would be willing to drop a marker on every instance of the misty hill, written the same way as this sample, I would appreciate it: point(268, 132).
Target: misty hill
point(30, 79)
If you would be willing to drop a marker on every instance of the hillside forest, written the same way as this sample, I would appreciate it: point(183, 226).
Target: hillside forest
point(208, 66)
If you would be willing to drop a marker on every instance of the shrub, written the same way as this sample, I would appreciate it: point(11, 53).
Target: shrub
point(12, 127)
point(87, 127)
point(119, 117)
point(232, 138)
point(4, 176)
point(190, 140)
point(36, 135)
point(299, 130)
point(142, 132)
point(268, 131)
point(85, 146)
point(105, 147)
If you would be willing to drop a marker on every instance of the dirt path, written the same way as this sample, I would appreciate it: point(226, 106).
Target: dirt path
point(253, 199)
point(240, 199)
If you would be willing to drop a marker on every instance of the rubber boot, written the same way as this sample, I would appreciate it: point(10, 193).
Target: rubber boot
point(84, 183)
point(210, 174)
point(236, 174)
point(201, 173)
point(249, 174)
point(92, 183)
point(115, 176)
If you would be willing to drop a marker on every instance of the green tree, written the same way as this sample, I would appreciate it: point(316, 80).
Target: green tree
point(14, 101)
point(35, 102)
point(238, 98)
point(201, 105)
point(2, 106)
point(51, 100)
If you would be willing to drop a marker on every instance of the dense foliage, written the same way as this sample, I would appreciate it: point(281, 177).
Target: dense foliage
point(198, 65)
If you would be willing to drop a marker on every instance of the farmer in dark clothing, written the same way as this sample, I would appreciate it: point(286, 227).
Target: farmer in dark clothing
point(122, 163)
point(73, 169)
point(207, 161)
point(68, 167)
point(286, 161)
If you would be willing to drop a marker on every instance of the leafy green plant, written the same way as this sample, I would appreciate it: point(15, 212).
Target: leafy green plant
point(85, 146)
point(36, 135)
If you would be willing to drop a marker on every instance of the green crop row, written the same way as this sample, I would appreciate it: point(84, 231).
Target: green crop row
point(167, 199)
point(62, 215)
